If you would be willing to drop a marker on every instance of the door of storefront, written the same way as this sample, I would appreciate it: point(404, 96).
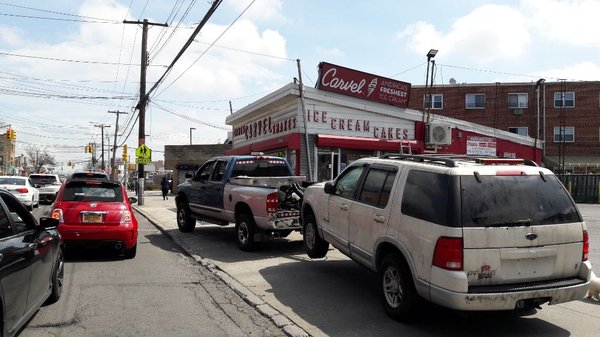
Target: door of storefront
point(327, 165)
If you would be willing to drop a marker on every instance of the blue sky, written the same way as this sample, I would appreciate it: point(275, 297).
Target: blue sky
point(55, 83)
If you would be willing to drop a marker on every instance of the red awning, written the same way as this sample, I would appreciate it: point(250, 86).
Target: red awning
point(369, 144)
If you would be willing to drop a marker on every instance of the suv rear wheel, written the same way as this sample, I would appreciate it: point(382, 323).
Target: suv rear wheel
point(315, 246)
point(397, 289)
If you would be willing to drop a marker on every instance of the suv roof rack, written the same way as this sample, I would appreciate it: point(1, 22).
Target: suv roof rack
point(452, 160)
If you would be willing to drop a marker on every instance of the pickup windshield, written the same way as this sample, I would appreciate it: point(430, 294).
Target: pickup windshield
point(261, 168)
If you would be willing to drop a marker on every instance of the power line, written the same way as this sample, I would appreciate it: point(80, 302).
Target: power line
point(71, 60)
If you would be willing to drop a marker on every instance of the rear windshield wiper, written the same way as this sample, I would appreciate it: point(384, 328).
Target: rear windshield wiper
point(519, 222)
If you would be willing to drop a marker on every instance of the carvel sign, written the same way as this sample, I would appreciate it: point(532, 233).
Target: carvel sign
point(363, 85)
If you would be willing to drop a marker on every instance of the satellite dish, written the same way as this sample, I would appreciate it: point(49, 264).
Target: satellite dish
point(452, 80)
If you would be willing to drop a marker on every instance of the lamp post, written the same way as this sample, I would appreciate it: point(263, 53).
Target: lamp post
point(431, 54)
point(191, 135)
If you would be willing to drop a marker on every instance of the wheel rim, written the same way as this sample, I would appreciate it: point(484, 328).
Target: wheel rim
point(309, 235)
point(181, 217)
point(392, 287)
point(243, 233)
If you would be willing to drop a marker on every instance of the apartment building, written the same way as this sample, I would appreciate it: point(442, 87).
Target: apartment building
point(562, 115)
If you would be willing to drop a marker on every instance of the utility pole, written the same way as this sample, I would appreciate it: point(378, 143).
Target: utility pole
point(142, 104)
point(102, 126)
point(112, 163)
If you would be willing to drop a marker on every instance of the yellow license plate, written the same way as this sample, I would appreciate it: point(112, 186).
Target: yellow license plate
point(92, 218)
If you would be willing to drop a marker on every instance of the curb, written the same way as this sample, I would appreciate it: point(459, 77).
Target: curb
point(281, 321)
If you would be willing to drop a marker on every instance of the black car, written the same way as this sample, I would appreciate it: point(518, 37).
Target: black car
point(31, 264)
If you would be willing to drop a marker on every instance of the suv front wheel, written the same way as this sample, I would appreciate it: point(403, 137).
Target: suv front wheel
point(398, 292)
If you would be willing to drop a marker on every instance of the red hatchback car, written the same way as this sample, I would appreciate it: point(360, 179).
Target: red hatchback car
point(96, 213)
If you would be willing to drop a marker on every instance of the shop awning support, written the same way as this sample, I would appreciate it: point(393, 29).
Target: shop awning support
point(301, 87)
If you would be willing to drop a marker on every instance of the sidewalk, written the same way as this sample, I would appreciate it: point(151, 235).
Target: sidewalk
point(163, 215)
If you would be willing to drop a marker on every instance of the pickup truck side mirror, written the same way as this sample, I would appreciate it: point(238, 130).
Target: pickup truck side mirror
point(329, 187)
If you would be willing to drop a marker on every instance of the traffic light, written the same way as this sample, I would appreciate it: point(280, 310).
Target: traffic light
point(13, 134)
point(89, 148)
point(125, 157)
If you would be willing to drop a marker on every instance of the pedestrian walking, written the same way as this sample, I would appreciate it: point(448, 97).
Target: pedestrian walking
point(164, 186)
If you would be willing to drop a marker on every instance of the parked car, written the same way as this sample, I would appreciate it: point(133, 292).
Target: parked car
point(465, 233)
point(96, 213)
point(47, 184)
point(97, 175)
point(22, 188)
point(31, 264)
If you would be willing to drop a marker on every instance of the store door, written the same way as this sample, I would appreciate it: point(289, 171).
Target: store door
point(327, 166)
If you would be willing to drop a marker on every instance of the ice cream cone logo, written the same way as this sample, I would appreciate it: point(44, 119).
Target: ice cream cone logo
point(371, 86)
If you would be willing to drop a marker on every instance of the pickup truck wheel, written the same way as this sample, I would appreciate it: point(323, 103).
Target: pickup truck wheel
point(185, 222)
point(398, 291)
point(244, 232)
point(315, 246)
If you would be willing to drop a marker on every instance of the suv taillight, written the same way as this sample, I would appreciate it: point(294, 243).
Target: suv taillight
point(586, 246)
point(272, 202)
point(58, 214)
point(448, 253)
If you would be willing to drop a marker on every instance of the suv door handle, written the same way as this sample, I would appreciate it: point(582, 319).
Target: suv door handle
point(344, 207)
point(379, 218)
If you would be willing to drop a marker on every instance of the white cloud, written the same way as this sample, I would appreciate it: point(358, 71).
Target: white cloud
point(572, 23)
point(10, 36)
point(261, 10)
point(584, 71)
point(486, 34)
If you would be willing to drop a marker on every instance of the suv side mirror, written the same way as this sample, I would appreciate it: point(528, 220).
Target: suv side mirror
point(329, 187)
point(189, 175)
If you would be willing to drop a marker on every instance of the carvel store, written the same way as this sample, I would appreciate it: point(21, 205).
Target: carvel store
point(351, 115)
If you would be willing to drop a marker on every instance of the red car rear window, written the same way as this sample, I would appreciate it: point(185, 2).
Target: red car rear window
point(93, 191)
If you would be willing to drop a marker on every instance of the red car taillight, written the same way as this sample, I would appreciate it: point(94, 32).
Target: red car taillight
point(586, 246)
point(22, 190)
point(126, 217)
point(448, 253)
point(58, 214)
point(272, 202)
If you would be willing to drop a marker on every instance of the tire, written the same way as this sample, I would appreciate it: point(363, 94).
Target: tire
point(131, 252)
point(58, 277)
point(244, 232)
point(185, 222)
point(397, 289)
point(315, 246)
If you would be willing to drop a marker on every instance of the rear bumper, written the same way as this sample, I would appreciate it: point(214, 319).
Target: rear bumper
point(512, 297)
point(72, 234)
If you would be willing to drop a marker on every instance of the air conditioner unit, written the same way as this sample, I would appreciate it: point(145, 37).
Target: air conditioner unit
point(439, 134)
point(517, 111)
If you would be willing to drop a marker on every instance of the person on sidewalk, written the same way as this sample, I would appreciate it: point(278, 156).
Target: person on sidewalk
point(164, 186)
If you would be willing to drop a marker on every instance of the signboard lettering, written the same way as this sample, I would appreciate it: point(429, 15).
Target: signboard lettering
point(354, 83)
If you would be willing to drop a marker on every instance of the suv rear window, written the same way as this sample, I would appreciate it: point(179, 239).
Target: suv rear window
point(261, 168)
point(39, 179)
point(90, 175)
point(515, 201)
point(92, 191)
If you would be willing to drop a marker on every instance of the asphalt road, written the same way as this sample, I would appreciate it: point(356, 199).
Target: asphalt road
point(162, 292)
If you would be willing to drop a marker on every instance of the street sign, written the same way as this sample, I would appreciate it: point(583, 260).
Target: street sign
point(144, 161)
point(143, 152)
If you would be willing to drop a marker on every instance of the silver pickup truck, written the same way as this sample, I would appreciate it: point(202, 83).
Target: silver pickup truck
point(258, 193)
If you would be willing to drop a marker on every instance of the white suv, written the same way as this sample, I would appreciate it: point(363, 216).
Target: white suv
point(465, 233)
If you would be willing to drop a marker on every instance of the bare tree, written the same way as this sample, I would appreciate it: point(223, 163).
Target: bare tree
point(39, 156)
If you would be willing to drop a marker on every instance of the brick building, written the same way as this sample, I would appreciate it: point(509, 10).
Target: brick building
point(563, 114)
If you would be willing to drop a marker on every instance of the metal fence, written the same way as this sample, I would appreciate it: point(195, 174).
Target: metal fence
point(583, 187)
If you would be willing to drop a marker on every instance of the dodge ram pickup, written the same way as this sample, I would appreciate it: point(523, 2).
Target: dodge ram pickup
point(258, 193)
